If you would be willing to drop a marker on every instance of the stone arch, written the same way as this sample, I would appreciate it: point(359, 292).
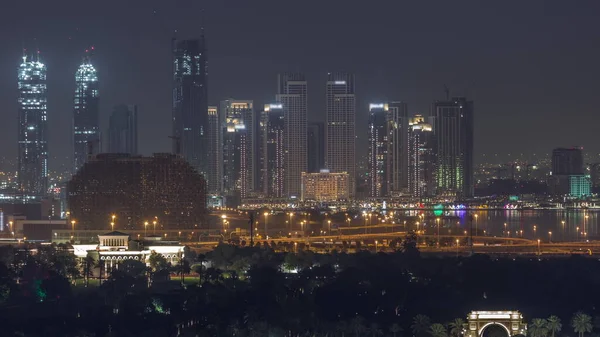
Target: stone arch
point(510, 321)
point(485, 326)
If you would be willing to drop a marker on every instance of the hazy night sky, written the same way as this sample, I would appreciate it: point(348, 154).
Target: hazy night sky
point(532, 67)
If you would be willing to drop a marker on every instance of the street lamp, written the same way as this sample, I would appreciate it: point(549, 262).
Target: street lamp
point(577, 229)
point(456, 247)
point(72, 227)
point(112, 226)
point(291, 224)
point(375, 246)
point(549, 237)
point(266, 217)
point(476, 223)
point(154, 227)
point(437, 220)
point(145, 228)
point(329, 225)
point(113, 217)
point(539, 252)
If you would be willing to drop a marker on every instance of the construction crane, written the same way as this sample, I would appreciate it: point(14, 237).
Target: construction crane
point(177, 141)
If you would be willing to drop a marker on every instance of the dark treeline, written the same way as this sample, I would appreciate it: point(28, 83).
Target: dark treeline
point(255, 291)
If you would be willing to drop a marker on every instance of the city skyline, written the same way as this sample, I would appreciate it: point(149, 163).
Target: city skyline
point(492, 68)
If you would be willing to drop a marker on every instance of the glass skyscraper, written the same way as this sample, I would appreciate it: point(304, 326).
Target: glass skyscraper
point(32, 128)
point(122, 130)
point(86, 129)
point(453, 134)
point(190, 103)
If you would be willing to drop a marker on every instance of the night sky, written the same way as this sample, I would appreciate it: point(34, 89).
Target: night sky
point(532, 67)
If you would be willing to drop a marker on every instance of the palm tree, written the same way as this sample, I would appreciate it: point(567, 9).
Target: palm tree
point(553, 324)
point(357, 325)
point(538, 327)
point(581, 323)
point(375, 330)
point(456, 327)
point(394, 329)
point(438, 330)
point(420, 324)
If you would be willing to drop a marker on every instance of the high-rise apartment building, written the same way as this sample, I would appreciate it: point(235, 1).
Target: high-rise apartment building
point(292, 94)
point(32, 128)
point(190, 102)
point(453, 128)
point(340, 135)
point(215, 155)
point(86, 125)
point(398, 143)
point(379, 145)
point(316, 147)
point(238, 147)
point(272, 151)
point(122, 130)
point(567, 161)
point(420, 158)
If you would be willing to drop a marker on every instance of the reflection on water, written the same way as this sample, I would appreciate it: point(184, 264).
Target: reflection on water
point(557, 225)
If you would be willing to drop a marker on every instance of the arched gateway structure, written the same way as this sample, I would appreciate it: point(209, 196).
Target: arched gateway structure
point(510, 321)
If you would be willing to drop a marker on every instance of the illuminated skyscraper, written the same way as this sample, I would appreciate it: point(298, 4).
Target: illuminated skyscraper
point(387, 162)
point(122, 130)
point(86, 129)
point(420, 158)
point(272, 150)
point(340, 134)
point(453, 134)
point(379, 145)
point(398, 142)
point(190, 103)
point(215, 155)
point(292, 94)
point(32, 129)
point(238, 145)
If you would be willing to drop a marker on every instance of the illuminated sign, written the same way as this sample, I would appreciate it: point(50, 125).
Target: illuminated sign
point(275, 106)
point(240, 126)
point(376, 106)
point(339, 82)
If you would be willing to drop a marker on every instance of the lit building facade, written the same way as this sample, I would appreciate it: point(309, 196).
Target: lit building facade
point(123, 130)
point(215, 154)
point(340, 137)
point(86, 125)
point(453, 129)
point(379, 145)
point(292, 94)
point(116, 247)
point(33, 126)
point(190, 102)
point(420, 158)
point(272, 150)
point(238, 148)
point(163, 188)
point(325, 186)
point(398, 147)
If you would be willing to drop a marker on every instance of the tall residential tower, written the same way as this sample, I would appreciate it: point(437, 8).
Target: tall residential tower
point(272, 151)
point(32, 128)
point(340, 134)
point(238, 148)
point(452, 123)
point(190, 103)
point(86, 126)
point(420, 158)
point(292, 94)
